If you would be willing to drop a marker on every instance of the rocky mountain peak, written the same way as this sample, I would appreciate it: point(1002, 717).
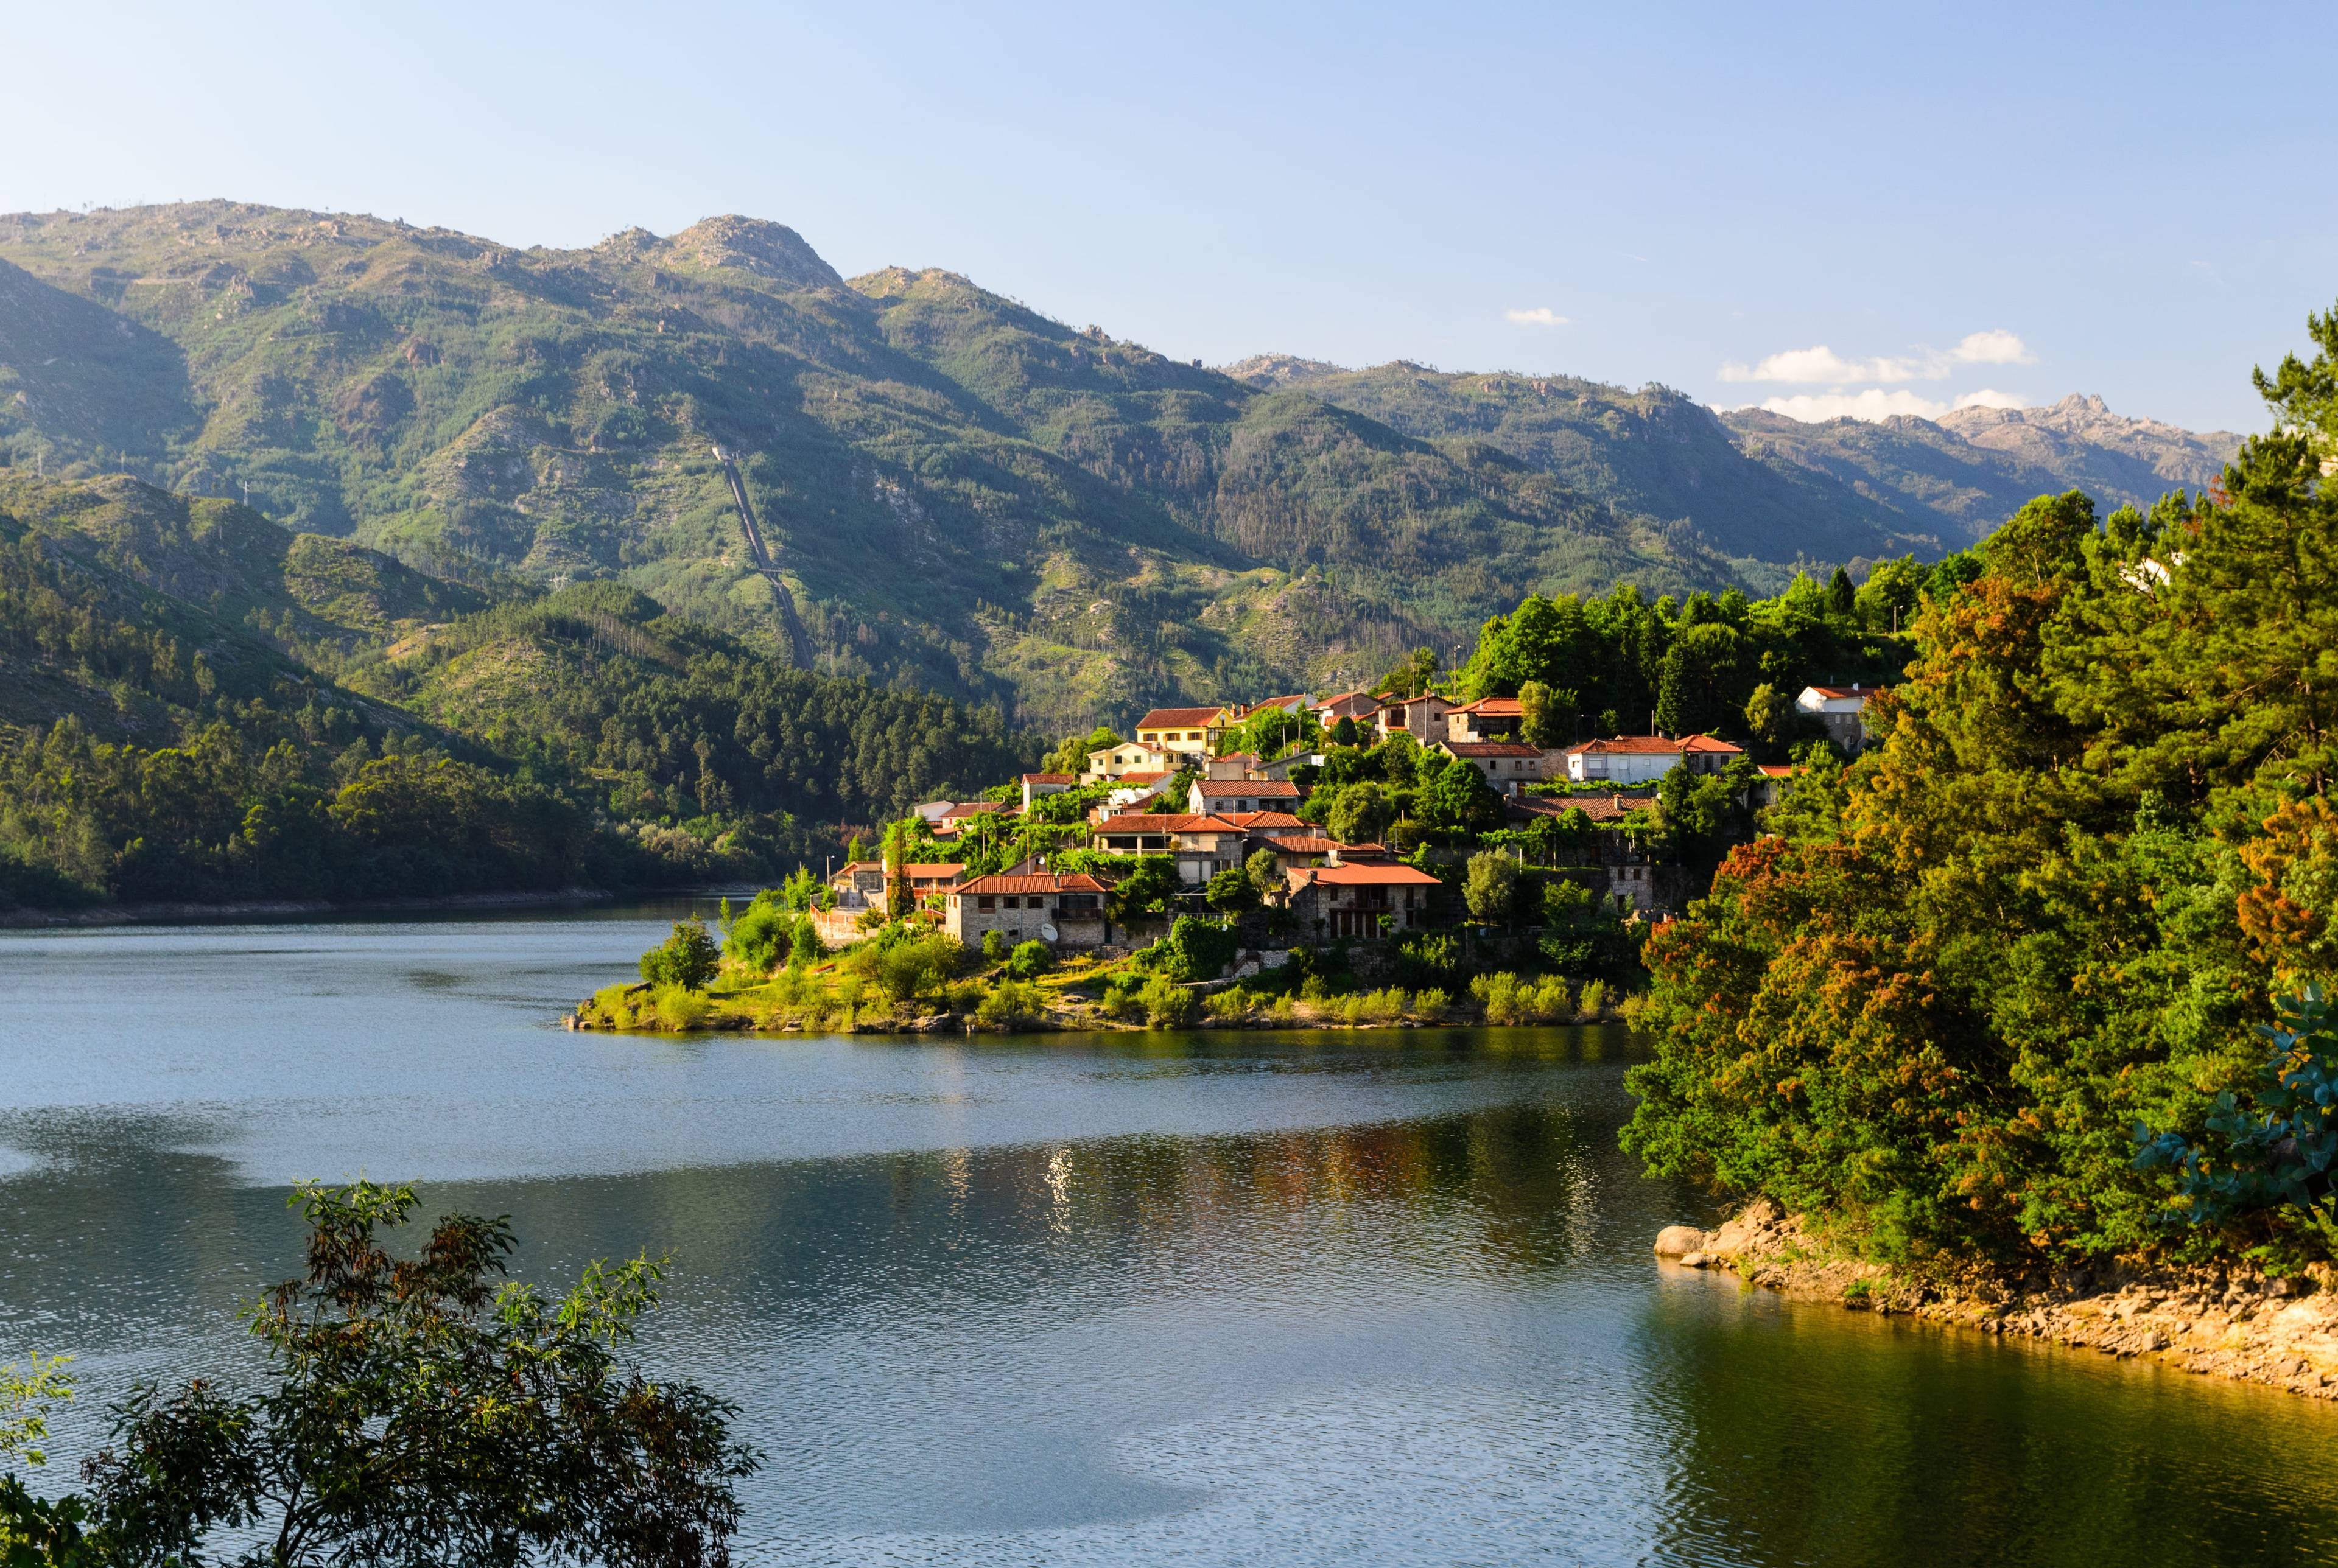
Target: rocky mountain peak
point(1276, 370)
point(756, 245)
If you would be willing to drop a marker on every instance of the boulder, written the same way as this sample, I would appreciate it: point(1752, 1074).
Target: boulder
point(1679, 1240)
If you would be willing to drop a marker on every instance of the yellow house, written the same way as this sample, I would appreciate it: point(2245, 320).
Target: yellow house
point(1186, 732)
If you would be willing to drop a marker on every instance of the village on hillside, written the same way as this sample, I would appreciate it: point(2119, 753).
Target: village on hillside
point(1354, 816)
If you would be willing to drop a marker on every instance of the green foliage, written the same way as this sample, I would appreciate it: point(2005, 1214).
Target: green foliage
point(1489, 886)
point(1166, 1003)
point(26, 1398)
point(763, 934)
point(1509, 999)
point(1012, 1004)
point(1459, 797)
point(1232, 890)
point(1147, 888)
point(1264, 871)
point(2272, 1145)
point(993, 946)
point(2050, 906)
point(1030, 960)
point(425, 1411)
point(905, 962)
point(1194, 949)
point(688, 959)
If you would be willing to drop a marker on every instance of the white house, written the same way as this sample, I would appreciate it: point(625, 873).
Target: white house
point(1644, 758)
point(1842, 708)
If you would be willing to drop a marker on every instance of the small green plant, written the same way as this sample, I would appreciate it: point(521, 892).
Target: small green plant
point(1030, 960)
point(678, 1009)
point(1383, 1007)
point(993, 946)
point(1593, 1001)
point(1283, 1012)
point(1858, 1293)
point(1431, 1006)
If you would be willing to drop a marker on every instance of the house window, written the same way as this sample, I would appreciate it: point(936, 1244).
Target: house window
point(1012, 902)
point(985, 901)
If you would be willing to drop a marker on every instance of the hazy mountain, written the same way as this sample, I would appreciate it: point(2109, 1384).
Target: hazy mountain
point(958, 492)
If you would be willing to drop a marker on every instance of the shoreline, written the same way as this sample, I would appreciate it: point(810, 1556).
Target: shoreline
point(171, 914)
point(2217, 1322)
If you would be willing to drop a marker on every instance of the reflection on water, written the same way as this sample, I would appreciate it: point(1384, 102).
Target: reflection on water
point(1214, 1299)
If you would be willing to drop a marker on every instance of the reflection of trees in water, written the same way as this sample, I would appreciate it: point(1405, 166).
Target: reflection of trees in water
point(1811, 1434)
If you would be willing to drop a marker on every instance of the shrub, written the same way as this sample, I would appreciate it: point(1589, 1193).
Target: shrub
point(1120, 997)
point(804, 947)
point(1011, 1004)
point(1551, 1000)
point(1489, 884)
point(1029, 960)
point(688, 958)
point(1196, 950)
point(679, 1008)
point(1430, 1007)
point(1593, 1000)
point(1232, 1005)
point(1383, 1007)
point(964, 995)
point(993, 946)
point(904, 967)
point(1313, 989)
point(761, 935)
point(1498, 995)
point(1167, 1005)
point(1284, 1012)
point(1431, 956)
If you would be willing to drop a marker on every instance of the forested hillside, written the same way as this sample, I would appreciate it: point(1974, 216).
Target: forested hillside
point(2003, 988)
point(959, 493)
point(162, 738)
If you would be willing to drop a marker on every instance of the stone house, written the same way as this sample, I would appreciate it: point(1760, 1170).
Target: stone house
point(1486, 719)
point(1357, 705)
point(1509, 766)
point(1421, 717)
point(1341, 901)
point(1222, 796)
point(1279, 769)
point(1064, 910)
point(860, 883)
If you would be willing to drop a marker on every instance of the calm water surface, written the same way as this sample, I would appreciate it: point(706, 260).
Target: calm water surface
point(1140, 1298)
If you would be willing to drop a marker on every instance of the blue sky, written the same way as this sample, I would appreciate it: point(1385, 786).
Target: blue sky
point(1950, 202)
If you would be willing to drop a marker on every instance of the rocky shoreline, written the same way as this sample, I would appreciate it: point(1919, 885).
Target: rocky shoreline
point(2222, 1323)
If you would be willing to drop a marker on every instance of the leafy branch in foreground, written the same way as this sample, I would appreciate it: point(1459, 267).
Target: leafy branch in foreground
point(425, 1411)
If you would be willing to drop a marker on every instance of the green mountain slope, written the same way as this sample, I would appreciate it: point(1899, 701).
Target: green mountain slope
point(957, 493)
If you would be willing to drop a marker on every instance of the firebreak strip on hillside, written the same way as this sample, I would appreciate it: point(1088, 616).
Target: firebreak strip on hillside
point(798, 642)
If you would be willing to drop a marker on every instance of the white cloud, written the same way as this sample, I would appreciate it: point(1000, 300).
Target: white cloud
point(1540, 316)
point(1872, 403)
point(1820, 366)
point(1995, 347)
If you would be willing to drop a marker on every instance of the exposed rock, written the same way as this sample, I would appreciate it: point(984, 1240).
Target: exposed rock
point(1679, 1241)
point(2223, 1323)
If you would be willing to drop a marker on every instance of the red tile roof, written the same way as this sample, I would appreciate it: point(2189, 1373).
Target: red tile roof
point(1494, 708)
point(1654, 745)
point(976, 808)
point(1251, 821)
point(1050, 777)
point(1467, 748)
point(1042, 882)
point(1371, 875)
point(916, 869)
point(1165, 823)
point(1179, 719)
point(1861, 692)
point(1777, 769)
point(1262, 789)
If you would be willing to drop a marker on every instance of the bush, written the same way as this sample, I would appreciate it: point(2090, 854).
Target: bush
point(1284, 1012)
point(1384, 1007)
point(1195, 949)
point(761, 935)
point(1429, 956)
point(993, 946)
point(805, 948)
point(1120, 997)
point(910, 966)
point(677, 1008)
point(1490, 885)
point(1314, 989)
point(1011, 1004)
point(1232, 1005)
point(1166, 1003)
point(1431, 1006)
point(1594, 999)
point(688, 958)
point(1029, 960)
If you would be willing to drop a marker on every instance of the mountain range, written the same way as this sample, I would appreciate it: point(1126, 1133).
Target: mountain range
point(951, 490)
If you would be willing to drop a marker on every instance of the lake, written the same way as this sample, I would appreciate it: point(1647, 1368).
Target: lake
point(1203, 1299)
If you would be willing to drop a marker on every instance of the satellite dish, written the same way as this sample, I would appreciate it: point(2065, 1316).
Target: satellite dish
point(1046, 933)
